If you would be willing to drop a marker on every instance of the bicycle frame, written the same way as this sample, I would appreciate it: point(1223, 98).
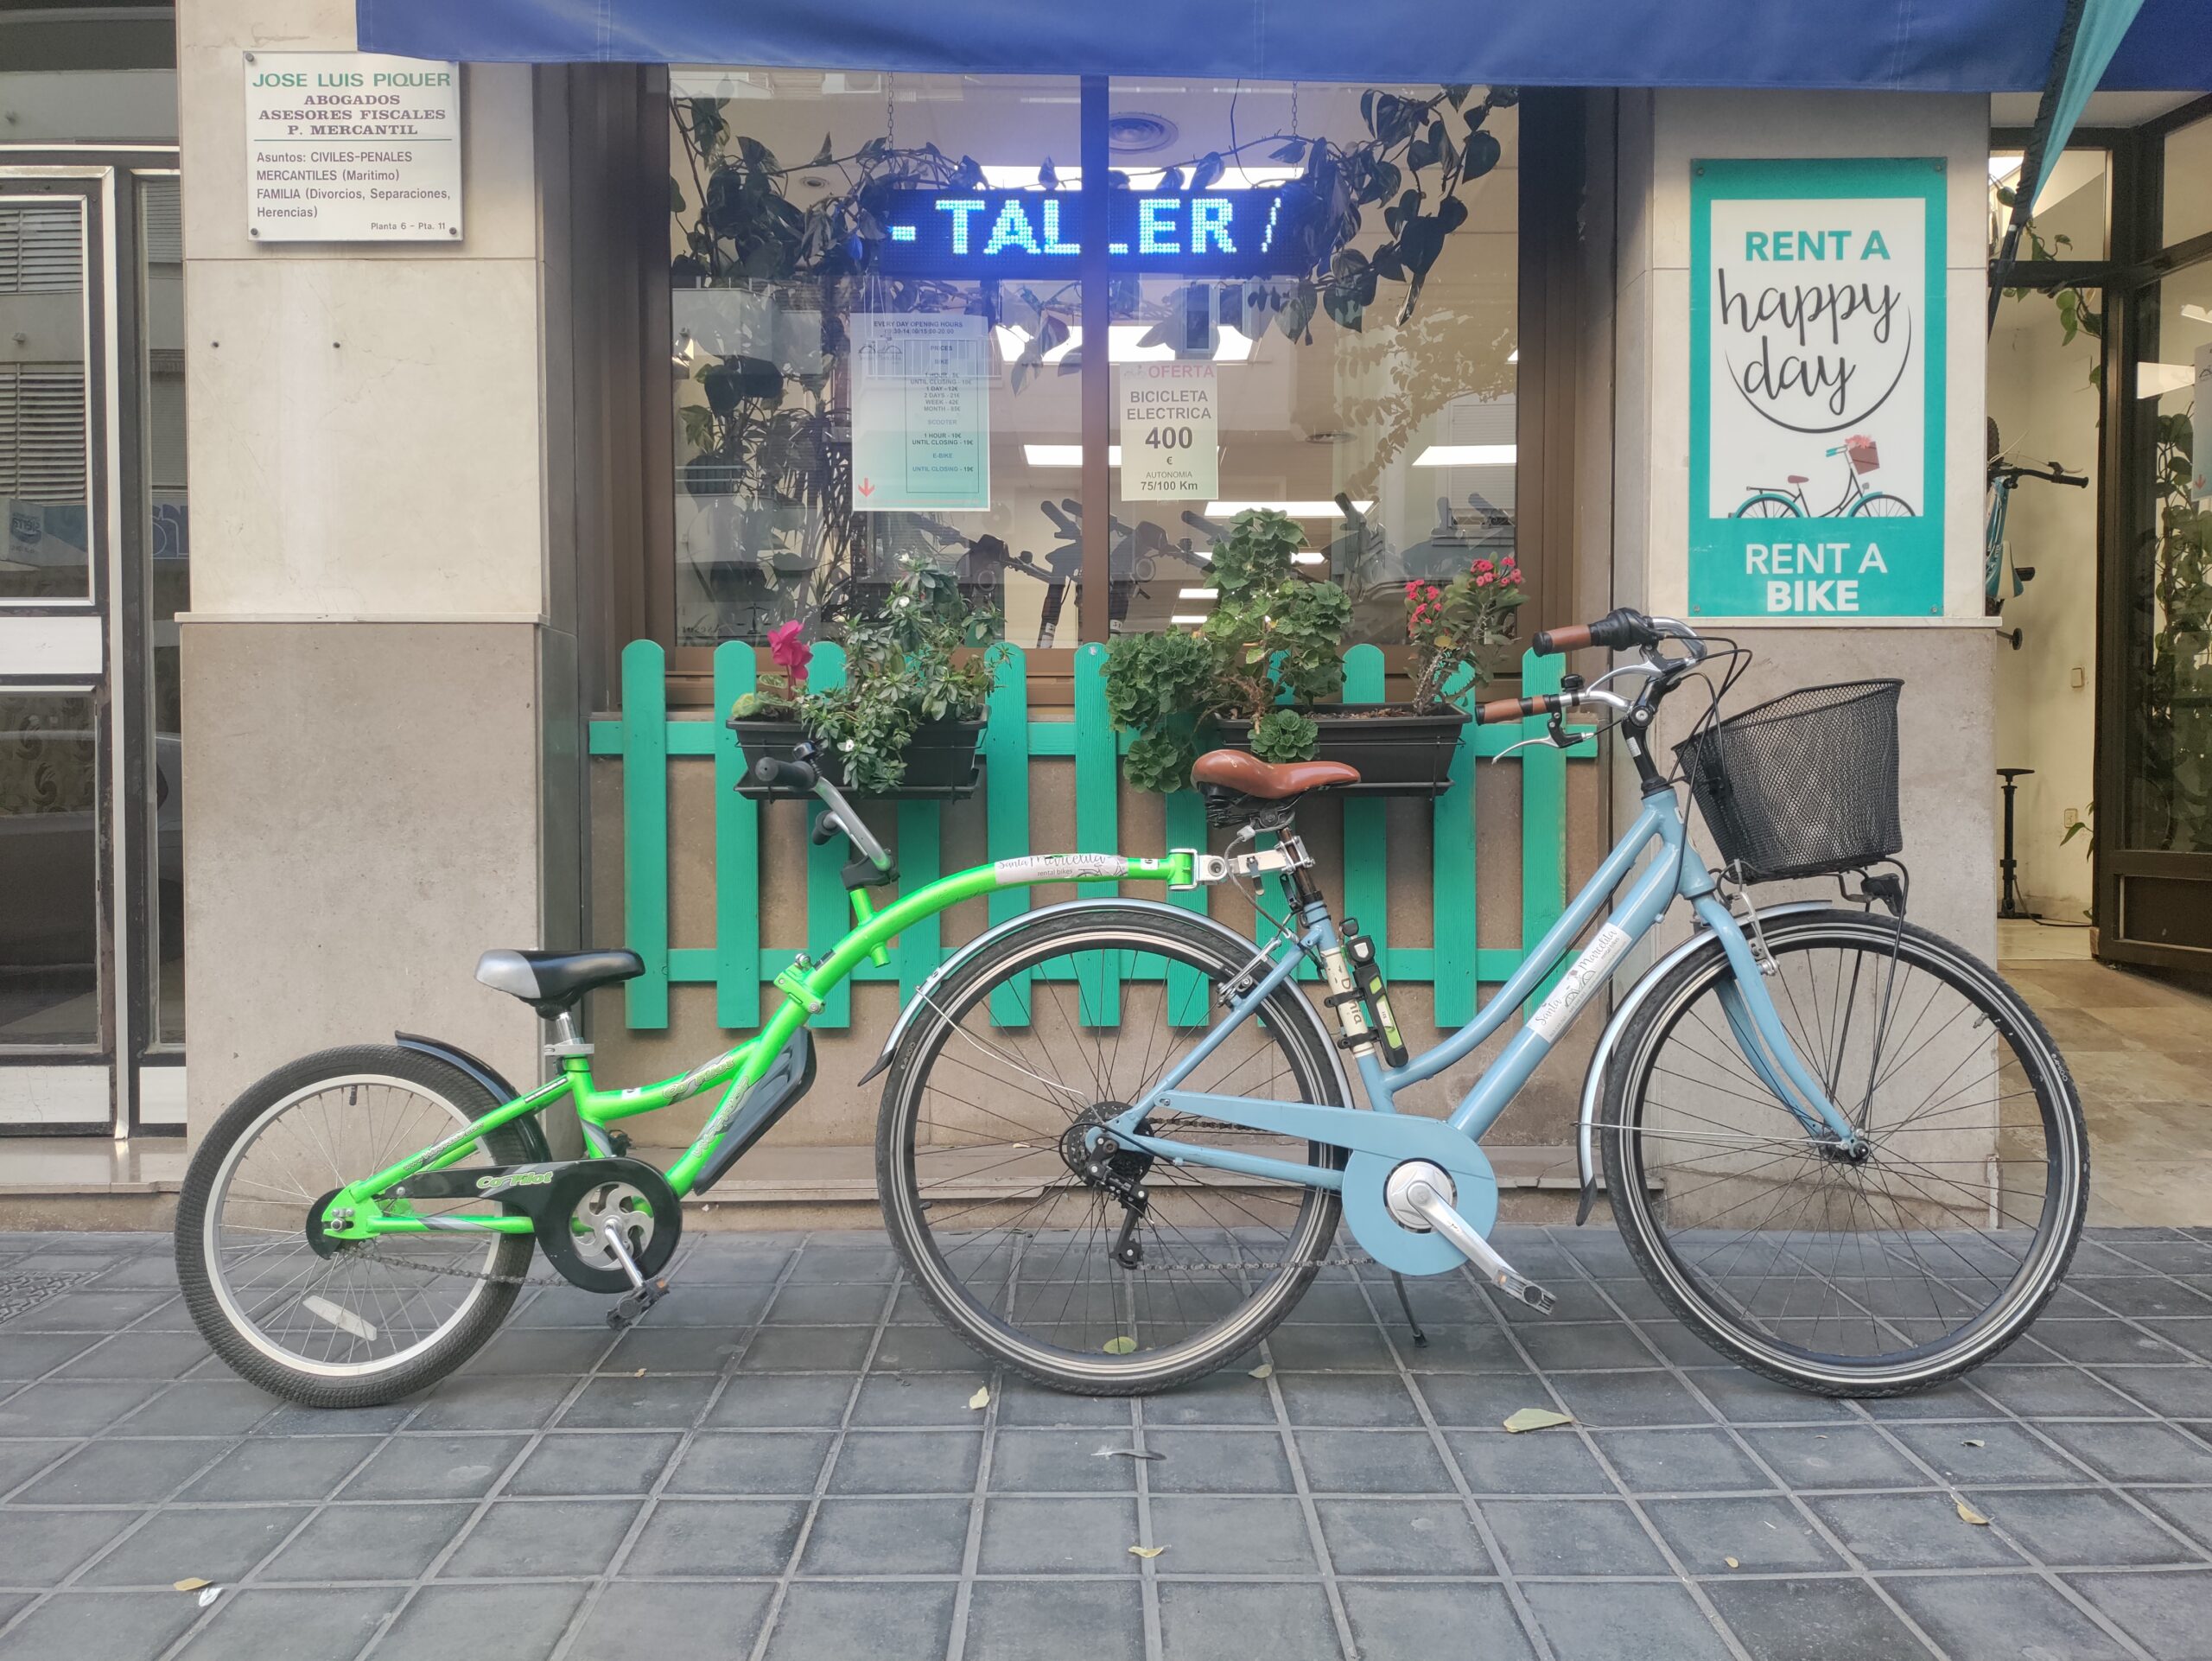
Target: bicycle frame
point(1754, 1022)
point(805, 985)
point(1659, 830)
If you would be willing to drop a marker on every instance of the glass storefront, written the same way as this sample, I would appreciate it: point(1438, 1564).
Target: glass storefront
point(1362, 372)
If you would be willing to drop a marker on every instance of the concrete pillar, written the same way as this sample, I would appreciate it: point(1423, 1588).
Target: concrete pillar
point(1948, 663)
point(371, 670)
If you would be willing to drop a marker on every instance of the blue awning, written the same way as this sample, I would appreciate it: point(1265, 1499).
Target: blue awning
point(1929, 46)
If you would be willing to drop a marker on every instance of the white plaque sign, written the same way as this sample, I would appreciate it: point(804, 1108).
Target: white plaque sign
point(921, 413)
point(1171, 432)
point(352, 147)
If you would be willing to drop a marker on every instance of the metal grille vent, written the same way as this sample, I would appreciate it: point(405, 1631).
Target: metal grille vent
point(42, 249)
point(42, 433)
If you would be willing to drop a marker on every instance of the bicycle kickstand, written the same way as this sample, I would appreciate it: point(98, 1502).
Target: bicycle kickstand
point(1421, 1338)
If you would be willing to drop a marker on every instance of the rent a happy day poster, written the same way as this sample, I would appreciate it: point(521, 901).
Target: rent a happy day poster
point(1816, 393)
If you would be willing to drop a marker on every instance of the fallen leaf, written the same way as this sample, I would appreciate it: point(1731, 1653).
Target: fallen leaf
point(1120, 1345)
point(981, 1397)
point(1265, 1370)
point(1124, 1453)
point(191, 1583)
point(1972, 1442)
point(1146, 1551)
point(1537, 1418)
point(639, 1373)
point(1732, 1562)
point(1968, 1514)
point(210, 1595)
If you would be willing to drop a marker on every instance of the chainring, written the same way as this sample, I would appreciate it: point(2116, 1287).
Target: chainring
point(582, 1200)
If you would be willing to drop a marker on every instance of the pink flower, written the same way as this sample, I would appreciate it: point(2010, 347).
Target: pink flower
point(1482, 565)
point(1413, 588)
point(791, 654)
point(1484, 580)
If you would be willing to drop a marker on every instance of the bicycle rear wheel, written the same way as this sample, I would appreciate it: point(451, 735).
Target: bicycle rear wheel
point(1849, 1277)
point(1102, 1272)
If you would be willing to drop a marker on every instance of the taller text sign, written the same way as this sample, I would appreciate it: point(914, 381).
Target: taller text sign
point(1816, 388)
point(352, 147)
point(1032, 233)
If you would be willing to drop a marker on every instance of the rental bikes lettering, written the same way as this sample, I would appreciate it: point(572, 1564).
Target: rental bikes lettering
point(1816, 398)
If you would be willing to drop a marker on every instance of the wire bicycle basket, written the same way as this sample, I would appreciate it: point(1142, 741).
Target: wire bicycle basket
point(1805, 785)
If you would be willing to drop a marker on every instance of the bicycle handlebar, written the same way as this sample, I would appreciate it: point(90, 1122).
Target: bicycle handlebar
point(2050, 474)
point(789, 775)
point(1544, 703)
point(1618, 630)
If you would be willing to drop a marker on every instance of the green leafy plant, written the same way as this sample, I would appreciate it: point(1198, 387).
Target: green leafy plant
point(1452, 624)
point(1274, 639)
point(929, 654)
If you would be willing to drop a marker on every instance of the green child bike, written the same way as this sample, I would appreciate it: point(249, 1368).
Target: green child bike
point(1117, 1141)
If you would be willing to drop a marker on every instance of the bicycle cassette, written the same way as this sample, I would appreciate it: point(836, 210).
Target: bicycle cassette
point(576, 1210)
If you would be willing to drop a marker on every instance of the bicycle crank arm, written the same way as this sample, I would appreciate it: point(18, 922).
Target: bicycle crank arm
point(1421, 1195)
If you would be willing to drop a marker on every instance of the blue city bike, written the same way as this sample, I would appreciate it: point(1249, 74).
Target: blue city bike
point(1117, 1141)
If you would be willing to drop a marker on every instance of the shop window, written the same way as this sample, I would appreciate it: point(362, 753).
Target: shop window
point(2189, 182)
point(2073, 213)
point(1384, 420)
point(824, 226)
point(2168, 737)
point(781, 182)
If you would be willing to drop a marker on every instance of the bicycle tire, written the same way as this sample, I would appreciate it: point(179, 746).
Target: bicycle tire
point(1719, 1311)
point(217, 1308)
point(905, 1190)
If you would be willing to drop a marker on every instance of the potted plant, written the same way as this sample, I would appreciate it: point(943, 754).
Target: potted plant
point(908, 720)
point(1255, 674)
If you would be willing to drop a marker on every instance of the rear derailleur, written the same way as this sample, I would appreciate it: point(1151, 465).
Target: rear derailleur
point(1107, 1165)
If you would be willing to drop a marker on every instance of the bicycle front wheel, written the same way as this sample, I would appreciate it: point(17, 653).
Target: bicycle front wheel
point(1097, 1270)
point(1865, 1274)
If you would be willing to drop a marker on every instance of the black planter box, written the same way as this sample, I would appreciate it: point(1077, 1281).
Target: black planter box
point(944, 760)
point(1399, 752)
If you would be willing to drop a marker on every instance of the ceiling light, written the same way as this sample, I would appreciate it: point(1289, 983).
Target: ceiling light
point(1514, 356)
point(1198, 594)
point(1065, 455)
point(1123, 344)
point(2196, 314)
point(1296, 510)
point(1466, 455)
point(1188, 617)
point(1307, 557)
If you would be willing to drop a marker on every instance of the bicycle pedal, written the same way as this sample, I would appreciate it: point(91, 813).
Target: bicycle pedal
point(632, 1307)
point(1540, 1299)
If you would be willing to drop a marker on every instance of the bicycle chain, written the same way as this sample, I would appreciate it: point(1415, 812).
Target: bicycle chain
point(368, 1250)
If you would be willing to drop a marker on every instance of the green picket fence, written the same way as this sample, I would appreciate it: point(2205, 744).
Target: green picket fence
point(738, 964)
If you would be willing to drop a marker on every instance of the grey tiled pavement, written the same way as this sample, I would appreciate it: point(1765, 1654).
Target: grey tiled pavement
point(782, 1465)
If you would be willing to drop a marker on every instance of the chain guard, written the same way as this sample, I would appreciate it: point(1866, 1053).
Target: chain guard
point(587, 1192)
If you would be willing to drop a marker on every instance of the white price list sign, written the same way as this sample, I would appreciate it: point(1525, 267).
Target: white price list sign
point(352, 147)
point(1171, 431)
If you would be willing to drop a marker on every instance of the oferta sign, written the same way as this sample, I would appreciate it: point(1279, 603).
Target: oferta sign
point(1816, 388)
point(1038, 233)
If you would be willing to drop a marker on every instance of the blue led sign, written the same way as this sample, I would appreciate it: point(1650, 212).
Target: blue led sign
point(1033, 233)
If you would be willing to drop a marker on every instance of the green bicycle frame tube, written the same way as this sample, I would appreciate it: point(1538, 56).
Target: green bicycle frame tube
point(741, 1066)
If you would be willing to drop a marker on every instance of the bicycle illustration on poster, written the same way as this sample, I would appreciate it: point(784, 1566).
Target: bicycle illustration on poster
point(1816, 404)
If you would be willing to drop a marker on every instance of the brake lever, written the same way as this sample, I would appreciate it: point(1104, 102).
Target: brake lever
point(1555, 736)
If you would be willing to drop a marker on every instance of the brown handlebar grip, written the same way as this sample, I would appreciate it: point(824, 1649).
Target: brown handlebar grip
point(1573, 638)
point(1510, 709)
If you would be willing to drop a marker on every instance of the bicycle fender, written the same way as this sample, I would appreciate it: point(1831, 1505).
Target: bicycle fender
point(1593, 1081)
point(486, 1074)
